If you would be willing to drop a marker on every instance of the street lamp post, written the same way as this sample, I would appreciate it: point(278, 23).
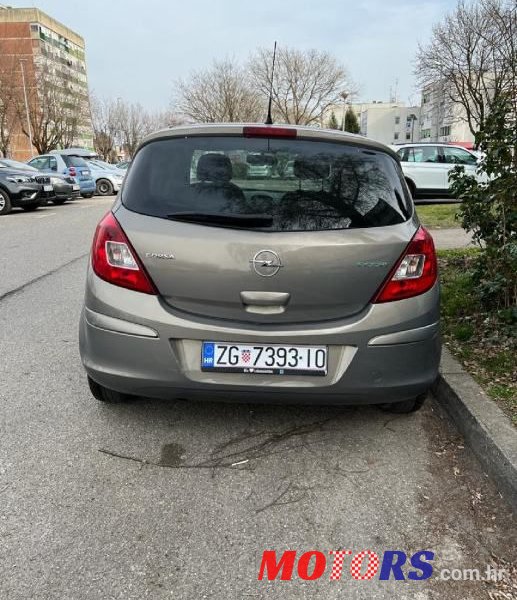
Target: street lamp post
point(413, 118)
point(343, 95)
point(26, 106)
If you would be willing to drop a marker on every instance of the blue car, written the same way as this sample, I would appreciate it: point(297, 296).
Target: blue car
point(68, 164)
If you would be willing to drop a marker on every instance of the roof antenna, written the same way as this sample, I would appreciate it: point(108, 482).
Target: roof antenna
point(269, 119)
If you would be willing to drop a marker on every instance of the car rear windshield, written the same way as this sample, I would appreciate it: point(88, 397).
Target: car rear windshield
point(271, 184)
point(74, 161)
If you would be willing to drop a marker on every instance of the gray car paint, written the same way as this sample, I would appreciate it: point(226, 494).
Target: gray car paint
point(201, 299)
point(322, 270)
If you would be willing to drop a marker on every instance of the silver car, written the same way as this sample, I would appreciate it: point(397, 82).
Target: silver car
point(320, 287)
point(108, 179)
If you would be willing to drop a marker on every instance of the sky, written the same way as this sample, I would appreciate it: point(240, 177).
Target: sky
point(136, 50)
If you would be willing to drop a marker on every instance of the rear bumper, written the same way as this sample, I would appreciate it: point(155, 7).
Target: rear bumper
point(64, 192)
point(87, 186)
point(388, 354)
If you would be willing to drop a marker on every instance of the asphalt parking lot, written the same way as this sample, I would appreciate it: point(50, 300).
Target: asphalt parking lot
point(178, 499)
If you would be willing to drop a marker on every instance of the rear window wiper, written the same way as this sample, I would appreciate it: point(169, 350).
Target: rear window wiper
point(229, 219)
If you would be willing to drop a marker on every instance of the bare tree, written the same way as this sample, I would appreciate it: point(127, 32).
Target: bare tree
point(166, 118)
point(472, 57)
point(106, 125)
point(8, 112)
point(10, 91)
point(135, 123)
point(117, 122)
point(306, 83)
point(54, 108)
point(222, 93)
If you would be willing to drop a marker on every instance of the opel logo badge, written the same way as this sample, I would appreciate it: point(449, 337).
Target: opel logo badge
point(266, 263)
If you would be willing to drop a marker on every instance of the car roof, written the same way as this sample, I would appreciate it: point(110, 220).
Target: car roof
point(441, 144)
point(304, 132)
point(82, 152)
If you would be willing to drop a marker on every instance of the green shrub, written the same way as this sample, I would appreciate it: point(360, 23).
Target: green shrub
point(489, 209)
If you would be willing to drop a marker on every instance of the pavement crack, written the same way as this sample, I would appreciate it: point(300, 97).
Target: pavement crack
point(201, 465)
point(261, 448)
point(25, 285)
point(299, 493)
point(238, 458)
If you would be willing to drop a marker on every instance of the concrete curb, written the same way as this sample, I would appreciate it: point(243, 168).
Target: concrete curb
point(486, 429)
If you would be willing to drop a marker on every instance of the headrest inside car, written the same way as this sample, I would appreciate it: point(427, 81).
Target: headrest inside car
point(311, 169)
point(214, 167)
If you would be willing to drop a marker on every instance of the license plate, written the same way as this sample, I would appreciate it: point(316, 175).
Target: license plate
point(76, 187)
point(264, 359)
point(48, 188)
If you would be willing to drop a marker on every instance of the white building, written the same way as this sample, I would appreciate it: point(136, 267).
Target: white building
point(389, 122)
point(386, 122)
point(442, 120)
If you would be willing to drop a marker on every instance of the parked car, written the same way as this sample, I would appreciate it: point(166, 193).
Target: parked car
point(64, 187)
point(426, 167)
point(108, 180)
point(317, 289)
point(21, 189)
point(70, 165)
point(259, 165)
point(123, 165)
point(105, 165)
point(289, 170)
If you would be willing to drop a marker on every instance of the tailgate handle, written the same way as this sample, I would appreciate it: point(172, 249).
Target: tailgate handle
point(265, 303)
point(265, 298)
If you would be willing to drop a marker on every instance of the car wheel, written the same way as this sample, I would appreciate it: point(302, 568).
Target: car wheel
point(104, 394)
point(412, 188)
point(5, 203)
point(104, 187)
point(404, 407)
point(88, 195)
point(32, 206)
point(58, 202)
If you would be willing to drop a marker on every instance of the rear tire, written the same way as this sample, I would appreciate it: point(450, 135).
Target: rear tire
point(31, 207)
point(404, 407)
point(103, 394)
point(5, 203)
point(88, 195)
point(58, 202)
point(104, 187)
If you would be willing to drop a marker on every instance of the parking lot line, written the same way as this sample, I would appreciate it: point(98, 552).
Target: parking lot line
point(44, 216)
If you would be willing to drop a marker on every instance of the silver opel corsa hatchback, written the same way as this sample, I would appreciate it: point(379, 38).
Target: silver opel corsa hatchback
point(263, 263)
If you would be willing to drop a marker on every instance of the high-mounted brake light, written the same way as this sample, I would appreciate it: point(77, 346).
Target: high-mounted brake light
point(414, 273)
point(268, 131)
point(115, 260)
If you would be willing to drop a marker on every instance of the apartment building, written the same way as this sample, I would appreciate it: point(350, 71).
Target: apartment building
point(442, 120)
point(389, 122)
point(386, 122)
point(32, 43)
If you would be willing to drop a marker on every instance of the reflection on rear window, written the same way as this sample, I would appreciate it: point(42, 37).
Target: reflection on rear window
point(303, 185)
point(74, 161)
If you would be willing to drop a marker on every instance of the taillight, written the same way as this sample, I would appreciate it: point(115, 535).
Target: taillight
point(115, 260)
point(415, 272)
point(72, 171)
point(268, 131)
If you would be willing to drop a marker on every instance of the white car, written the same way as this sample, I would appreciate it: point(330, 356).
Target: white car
point(426, 167)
